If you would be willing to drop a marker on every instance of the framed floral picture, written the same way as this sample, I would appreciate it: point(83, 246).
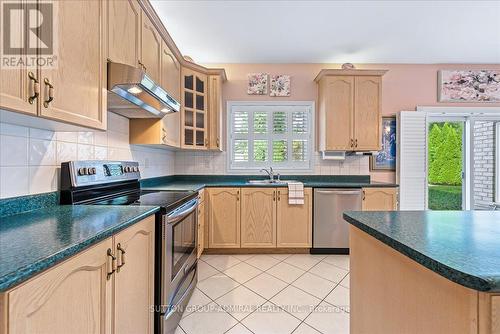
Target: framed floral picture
point(257, 84)
point(280, 85)
point(469, 86)
point(386, 158)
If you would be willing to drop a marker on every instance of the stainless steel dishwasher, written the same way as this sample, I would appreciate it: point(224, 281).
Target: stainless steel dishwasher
point(330, 230)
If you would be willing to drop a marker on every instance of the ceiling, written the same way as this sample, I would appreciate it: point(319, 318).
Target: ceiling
point(334, 31)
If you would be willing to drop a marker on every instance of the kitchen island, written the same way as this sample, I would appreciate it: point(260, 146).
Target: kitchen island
point(424, 272)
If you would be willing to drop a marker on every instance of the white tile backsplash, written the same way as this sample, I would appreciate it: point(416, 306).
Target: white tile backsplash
point(30, 158)
point(189, 162)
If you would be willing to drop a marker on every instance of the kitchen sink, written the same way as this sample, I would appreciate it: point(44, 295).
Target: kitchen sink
point(269, 181)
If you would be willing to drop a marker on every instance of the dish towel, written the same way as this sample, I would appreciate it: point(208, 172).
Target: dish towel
point(295, 193)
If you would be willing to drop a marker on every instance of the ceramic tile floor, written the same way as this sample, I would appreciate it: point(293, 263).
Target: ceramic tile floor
point(269, 294)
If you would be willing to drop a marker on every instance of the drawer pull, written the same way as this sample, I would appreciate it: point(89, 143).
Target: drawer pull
point(36, 88)
point(111, 264)
point(50, 94)
point(121, 257)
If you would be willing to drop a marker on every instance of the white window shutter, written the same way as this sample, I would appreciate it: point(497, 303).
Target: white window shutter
point(411, 167)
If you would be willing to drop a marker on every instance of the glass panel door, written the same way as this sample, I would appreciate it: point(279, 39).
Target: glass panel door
point(445, 165)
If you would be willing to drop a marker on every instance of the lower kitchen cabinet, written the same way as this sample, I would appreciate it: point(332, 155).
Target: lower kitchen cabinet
point(294, 222)
point(201, 228)
point(224, 218)
point(134, 278)
point(380, 199)
point(92, 292)
point(258, 217)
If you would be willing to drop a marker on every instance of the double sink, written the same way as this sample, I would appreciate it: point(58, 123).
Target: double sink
point(266, 182)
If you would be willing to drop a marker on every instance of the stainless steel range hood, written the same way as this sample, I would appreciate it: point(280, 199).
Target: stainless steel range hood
point(133, 94)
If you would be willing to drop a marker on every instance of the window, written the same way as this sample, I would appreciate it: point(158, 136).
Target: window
point(497, 163)
point(270, 134)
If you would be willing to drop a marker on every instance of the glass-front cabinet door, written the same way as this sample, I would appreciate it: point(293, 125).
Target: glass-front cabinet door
point(194, 110)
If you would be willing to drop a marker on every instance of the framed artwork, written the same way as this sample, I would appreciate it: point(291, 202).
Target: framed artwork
point(280, 85)
point(386, 158)
point(469, 86)
point(257, 84)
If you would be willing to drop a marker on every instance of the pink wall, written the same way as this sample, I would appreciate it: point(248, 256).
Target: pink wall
point(405, 86)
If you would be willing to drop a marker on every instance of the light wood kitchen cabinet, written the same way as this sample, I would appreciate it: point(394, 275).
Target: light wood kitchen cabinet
point(134, 278)
point(224, 218)
point(294, 222)
point(170, 72)
point(73, 297)
point(107, 288)
point(215, 112)
point(151, 50)
point(194, 121)
point(18, 86)
point(201, 228)
point(124, 31)
point(367, 113)
point(380, 199)
point(75, 90)
point(336, 116)
point(350, 109)
point(258, 217)
point(154, 131)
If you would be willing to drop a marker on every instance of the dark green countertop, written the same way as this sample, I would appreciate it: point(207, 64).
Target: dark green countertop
point(462, 246)
point(31, 242)
point(197, 182)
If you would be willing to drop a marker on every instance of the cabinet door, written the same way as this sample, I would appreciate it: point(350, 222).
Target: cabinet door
point(380, 199)
point(73, 297)
point(15, 85)
point(215, 112)
point(124, 31)
point(134, 278)
point(294, 222)
point(201, 229)
point(194, 110)
point(224, 218)
point(336, 100)
point(150, 49)
point(79, 80)
point(258, 217)
point(367, 108)
point(170, 72)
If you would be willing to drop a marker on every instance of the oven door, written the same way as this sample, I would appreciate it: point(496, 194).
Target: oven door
point(179, 248)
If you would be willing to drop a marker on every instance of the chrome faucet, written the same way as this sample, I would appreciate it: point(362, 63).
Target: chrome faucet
point(269, 172)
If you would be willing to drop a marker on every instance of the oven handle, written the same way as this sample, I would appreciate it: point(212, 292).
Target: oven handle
point(184, 211)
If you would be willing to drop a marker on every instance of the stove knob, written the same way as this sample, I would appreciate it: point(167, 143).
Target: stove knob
point(127, 169)
point(136, 169)
point(92, 171)
point(82, 171)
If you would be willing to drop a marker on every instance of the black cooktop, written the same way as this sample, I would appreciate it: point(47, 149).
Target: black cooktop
point(168, 200)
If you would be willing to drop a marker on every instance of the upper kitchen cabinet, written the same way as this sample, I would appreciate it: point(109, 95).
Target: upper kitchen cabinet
point(170, 72)
point(124, 31)
point(154, 131)
point(350, 109)
point(19, 87)
point(194, 125)
point(215, 112)
point(74, 91)
point(151, 49)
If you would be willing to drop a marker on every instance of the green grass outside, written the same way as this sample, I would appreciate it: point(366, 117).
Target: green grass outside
point(445, 197)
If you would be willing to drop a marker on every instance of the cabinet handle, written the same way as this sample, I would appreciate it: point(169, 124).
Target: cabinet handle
point(142, 65)
point(111, 265)
point(364, 195)
point(274, 196)
point(50, 92)
point(279, 195)
point(352, 142)
point(36, 88)
point(356, 143)
point(121, 257)
point(206, 142)
point(218, 142)
point(237, 195)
